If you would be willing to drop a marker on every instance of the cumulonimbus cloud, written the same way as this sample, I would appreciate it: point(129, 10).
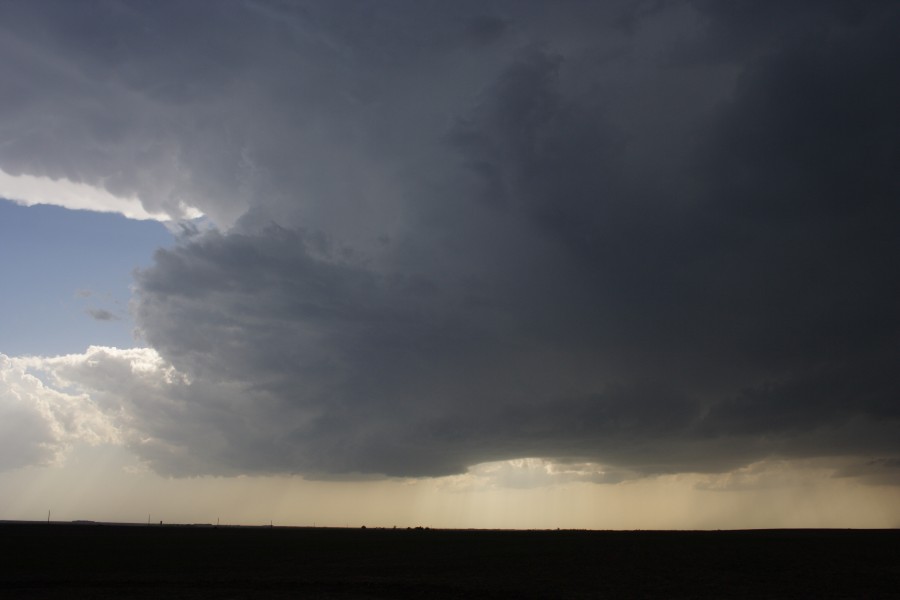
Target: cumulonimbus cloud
point(659, 240)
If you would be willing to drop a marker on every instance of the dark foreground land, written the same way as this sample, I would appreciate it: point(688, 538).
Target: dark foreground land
point(115, 561)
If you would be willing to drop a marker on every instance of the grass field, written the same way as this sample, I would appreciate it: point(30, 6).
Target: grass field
point(141, 561)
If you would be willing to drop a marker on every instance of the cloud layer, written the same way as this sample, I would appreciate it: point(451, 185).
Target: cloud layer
point(661, 237)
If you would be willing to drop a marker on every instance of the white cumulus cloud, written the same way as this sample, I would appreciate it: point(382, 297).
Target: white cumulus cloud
point(39, 423)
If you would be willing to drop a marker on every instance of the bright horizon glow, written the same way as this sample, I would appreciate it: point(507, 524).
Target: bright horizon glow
point(105, 484)
point(30, 190)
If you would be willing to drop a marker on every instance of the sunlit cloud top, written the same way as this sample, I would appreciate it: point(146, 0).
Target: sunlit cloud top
point(29, 190)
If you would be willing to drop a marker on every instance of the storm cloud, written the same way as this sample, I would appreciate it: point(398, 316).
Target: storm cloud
point(657, 236)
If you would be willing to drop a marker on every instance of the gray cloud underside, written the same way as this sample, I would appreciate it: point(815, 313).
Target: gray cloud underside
point(660, 236)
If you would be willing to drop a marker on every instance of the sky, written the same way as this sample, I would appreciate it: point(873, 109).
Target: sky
point(525, 264)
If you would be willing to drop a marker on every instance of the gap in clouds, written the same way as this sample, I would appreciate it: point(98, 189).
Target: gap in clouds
point(62, 268)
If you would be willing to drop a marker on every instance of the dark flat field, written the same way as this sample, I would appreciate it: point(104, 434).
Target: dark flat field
point(118, 561)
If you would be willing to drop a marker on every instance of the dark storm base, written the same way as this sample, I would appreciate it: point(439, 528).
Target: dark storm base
point(141, 561)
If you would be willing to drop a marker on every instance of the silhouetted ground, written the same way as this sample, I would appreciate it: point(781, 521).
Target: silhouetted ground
point(115, 561)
